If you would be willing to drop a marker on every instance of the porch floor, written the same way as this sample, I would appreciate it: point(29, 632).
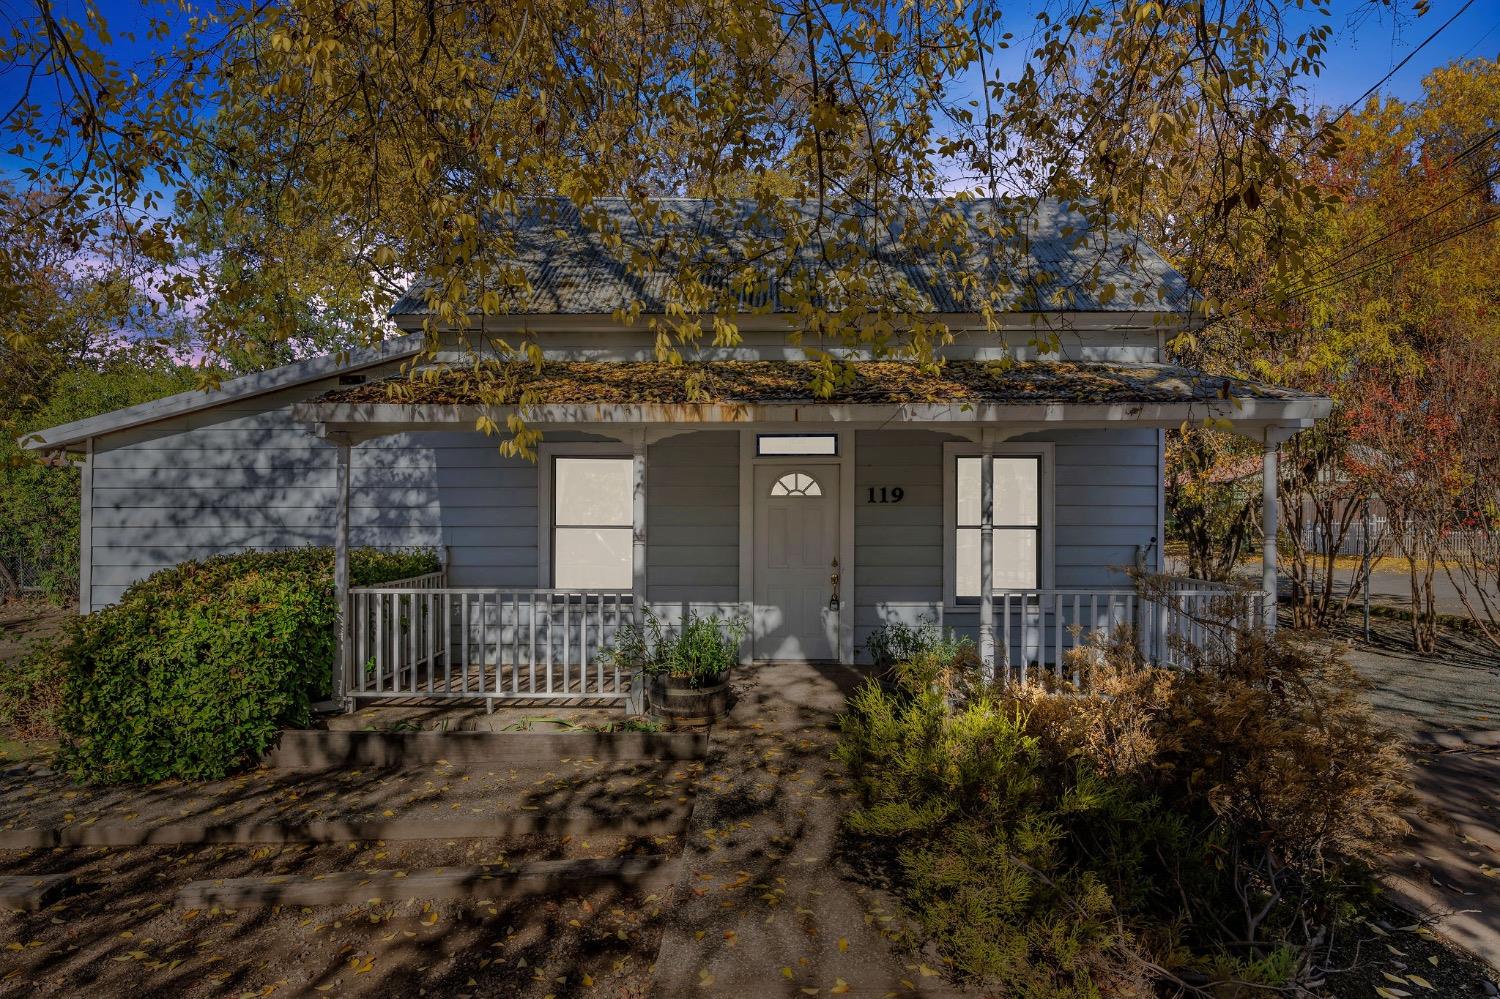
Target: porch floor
point(552, 685)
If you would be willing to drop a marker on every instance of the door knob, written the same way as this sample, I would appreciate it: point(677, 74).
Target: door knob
point(833, 578)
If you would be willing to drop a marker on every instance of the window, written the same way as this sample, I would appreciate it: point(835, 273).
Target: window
point(796, 484)
point(1017, 524)
point(592, 514)
point(773, 444)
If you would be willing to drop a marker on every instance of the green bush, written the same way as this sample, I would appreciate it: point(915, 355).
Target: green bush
point(194, 671)
point(700, 651)
point(897, 642)
point(1075, 842)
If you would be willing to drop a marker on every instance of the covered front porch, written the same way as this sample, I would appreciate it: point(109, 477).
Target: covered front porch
point(1020, 523)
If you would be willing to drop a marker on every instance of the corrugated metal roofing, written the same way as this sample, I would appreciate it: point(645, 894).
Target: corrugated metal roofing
point(1045, 261)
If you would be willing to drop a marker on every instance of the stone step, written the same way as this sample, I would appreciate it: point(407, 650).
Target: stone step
point(663, 821)
point(33, 892)
point(518, 882)
point(316, 749)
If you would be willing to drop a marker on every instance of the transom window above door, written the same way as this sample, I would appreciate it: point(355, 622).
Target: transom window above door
point(767, 445)
point(591, 523)
point(796, 484)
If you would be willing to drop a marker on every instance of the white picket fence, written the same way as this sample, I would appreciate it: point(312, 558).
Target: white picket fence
point(421, 638)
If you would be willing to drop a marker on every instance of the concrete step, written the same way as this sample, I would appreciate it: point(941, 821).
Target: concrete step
point(317, 749)
point(33, 892)
point(662, 821)
point(521, 881)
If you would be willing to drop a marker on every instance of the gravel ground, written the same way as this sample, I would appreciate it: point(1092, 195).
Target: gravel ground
point(32, 796)
point(121, 934)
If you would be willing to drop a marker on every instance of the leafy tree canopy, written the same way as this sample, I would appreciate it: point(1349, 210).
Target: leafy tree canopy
point(294, 164)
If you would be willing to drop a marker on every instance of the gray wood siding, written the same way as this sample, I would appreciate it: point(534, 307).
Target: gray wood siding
point(693, 523)
point(252, 478)
point(898, 547)
point(1105, 504)
point(249, 476)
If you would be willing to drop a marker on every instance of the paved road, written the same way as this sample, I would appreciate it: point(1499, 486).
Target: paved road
point(1393, 588)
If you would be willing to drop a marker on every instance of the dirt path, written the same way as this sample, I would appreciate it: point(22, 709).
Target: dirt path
point(765, 908)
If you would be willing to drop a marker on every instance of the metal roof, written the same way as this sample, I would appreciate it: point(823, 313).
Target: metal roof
point(1050, 257)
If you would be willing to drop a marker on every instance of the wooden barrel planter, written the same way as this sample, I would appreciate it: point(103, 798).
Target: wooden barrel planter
point(672, 699)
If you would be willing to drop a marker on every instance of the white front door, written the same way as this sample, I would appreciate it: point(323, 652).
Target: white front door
point(796, 553)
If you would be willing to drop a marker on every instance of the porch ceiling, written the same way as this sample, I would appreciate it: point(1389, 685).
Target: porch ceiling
point(1020, 396)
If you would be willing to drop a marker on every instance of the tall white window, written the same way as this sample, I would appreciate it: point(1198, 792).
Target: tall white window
point(1017, 523)
point(591, 523)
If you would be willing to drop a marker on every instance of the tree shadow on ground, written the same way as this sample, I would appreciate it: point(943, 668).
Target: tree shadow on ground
point(120, 931)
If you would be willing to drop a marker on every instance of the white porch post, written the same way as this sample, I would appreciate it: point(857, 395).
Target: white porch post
point(1269, 480)
point(341, 575)
point(638, 529)
point(987, 553)
point(635, 704)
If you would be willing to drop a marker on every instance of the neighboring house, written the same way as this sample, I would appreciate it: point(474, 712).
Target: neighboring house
point(818, 519)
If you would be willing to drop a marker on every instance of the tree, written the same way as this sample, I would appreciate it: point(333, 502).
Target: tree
point(39, 496)
point(409, 137)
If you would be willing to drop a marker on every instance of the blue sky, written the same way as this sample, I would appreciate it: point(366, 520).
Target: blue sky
point(1369, 38)
point(1368, 42)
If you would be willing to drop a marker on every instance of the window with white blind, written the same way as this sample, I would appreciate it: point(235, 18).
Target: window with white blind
point(591, 523)
point(1021, 508)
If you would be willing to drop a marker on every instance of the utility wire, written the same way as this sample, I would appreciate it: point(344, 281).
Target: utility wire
point(1389, 258)
point(1387, 234)
point(1376, 85)
point(1366, 268)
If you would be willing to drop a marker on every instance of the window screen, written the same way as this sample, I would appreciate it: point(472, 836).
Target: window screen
point(1017, 525)
point(591, 523)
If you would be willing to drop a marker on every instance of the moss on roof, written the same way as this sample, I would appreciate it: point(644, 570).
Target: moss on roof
point(870, 382)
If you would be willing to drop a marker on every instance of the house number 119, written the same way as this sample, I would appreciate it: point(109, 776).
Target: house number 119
point(886, 494)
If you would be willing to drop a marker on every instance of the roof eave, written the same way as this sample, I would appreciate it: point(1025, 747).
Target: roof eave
point(364, 421)
point(71, 436)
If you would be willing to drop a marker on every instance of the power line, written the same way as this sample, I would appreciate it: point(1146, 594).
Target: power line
point(1376, 85)
point(1472, 189)
point(1364, 269)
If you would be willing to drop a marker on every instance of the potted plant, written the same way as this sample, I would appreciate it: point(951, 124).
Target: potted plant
point(687, 673)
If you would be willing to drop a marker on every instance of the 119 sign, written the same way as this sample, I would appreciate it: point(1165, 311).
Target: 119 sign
point(885, 494)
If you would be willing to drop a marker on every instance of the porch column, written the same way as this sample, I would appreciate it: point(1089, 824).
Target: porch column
point(987, 554)
point(638, 530)
point(341, 574)
point(1269, 480)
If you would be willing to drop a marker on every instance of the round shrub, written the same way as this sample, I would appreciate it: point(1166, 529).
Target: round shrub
point(197, 667)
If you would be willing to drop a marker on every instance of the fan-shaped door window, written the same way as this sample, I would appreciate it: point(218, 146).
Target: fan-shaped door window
point(796, 484)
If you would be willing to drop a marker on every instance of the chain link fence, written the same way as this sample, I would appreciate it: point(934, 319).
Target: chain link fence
point(37, 571)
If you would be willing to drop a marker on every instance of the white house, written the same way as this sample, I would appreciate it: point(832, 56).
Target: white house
point(818, 519)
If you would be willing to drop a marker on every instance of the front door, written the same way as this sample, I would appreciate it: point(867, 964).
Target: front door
point(796, 554)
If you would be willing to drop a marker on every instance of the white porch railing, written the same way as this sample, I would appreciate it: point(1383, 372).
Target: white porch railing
point(420, 638)
point(1036, 629)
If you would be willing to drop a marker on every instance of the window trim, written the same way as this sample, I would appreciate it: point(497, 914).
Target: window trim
point(759, 437)
point(1045, 452)
point(546, 455)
